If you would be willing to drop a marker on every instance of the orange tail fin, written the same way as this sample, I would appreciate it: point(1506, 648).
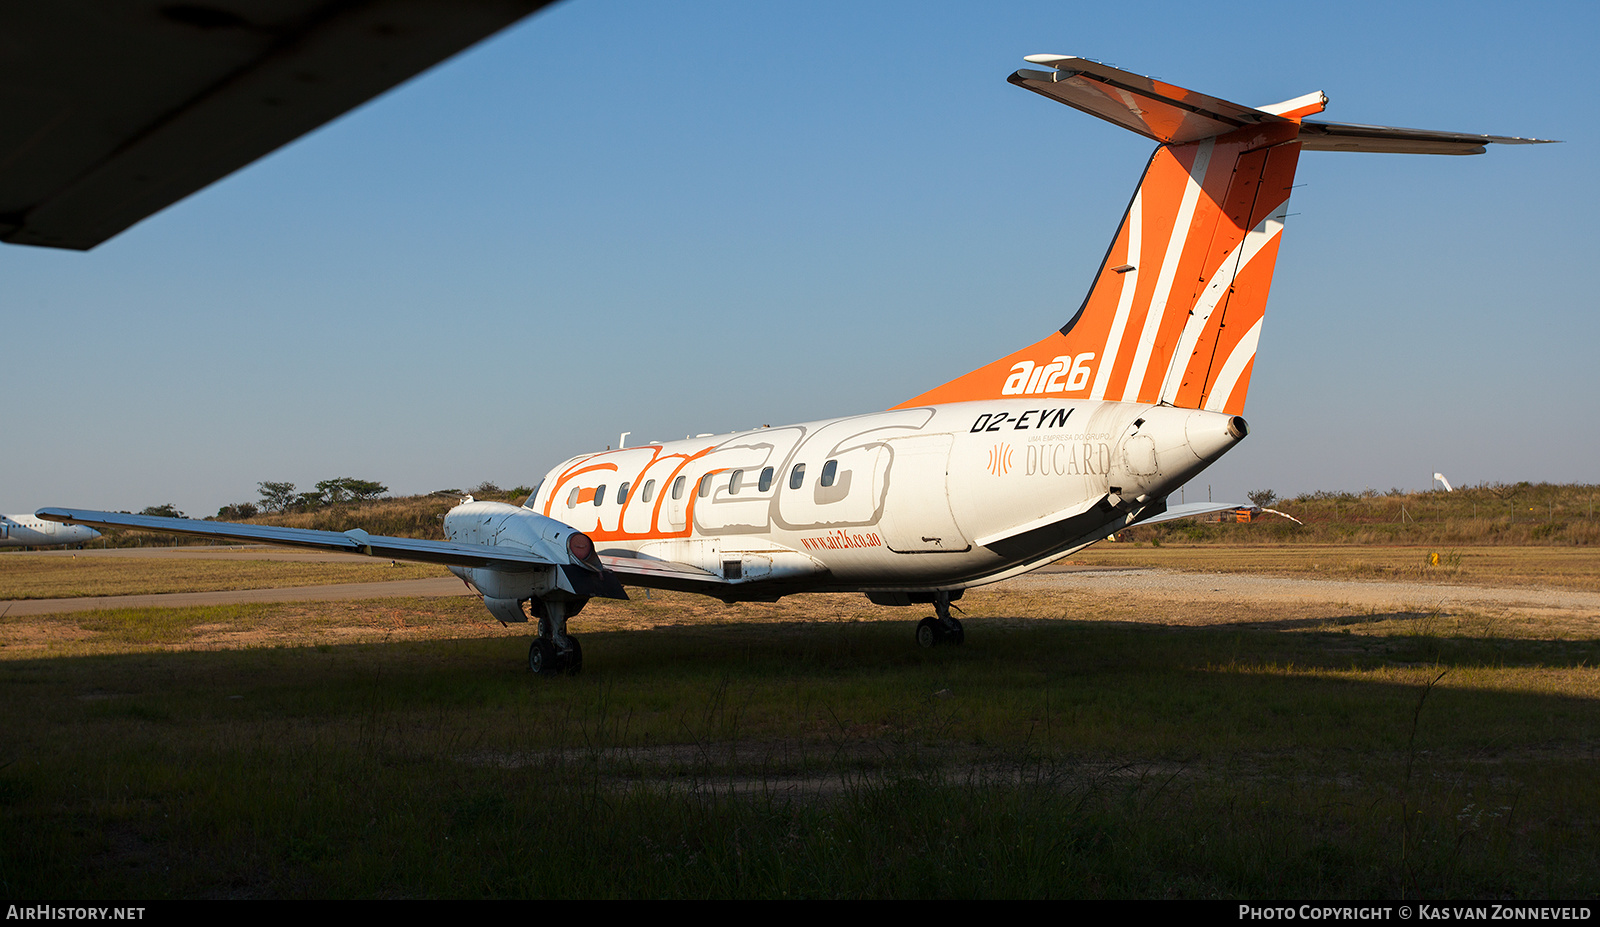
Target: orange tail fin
point(1176, 308)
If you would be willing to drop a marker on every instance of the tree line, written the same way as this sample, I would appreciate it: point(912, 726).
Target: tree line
point(279, 498)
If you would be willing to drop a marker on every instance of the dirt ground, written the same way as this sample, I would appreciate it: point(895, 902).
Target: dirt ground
point(427, 608)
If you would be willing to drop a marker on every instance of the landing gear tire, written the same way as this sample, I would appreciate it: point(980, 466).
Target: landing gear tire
point(542, 657)
point(941, 627)
point(931, 632)
point(545, 657)
point(572, 660)
point(545, 660)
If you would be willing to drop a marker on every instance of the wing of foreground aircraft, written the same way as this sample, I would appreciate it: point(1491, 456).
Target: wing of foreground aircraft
point(115, 109)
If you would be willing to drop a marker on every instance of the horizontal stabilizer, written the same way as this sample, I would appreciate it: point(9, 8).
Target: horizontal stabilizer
point(1169, 114)
point(1342, 136)
point(1174, 115)
point(1190, 510)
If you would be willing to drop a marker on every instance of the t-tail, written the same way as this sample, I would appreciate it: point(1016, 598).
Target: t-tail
point(1174, 314)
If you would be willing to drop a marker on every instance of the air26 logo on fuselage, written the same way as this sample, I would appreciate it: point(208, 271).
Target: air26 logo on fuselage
point(1062, 375)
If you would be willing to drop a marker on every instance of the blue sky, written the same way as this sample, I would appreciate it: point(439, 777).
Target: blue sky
point(674, 218)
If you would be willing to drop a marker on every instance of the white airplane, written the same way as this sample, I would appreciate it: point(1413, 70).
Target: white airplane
point(995, 473)
point(30, 531)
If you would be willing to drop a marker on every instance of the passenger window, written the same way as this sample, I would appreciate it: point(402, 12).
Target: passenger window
point(766, 480)
point(600, 494)
point(622, 493)
point(829, 471)
point(677, 488)
point(735, 480)
point(796, 476)
point(705, 486)
point(572, 497)
point(649, 491)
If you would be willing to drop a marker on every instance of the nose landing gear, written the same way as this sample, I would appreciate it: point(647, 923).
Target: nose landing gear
point(942, 627)
point(545, 660)
point(555, 651)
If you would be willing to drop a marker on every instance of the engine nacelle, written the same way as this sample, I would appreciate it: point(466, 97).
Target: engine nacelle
point(575, 571)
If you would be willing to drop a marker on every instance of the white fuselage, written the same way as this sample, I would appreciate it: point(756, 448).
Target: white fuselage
point(28, 531)
point(933, 498)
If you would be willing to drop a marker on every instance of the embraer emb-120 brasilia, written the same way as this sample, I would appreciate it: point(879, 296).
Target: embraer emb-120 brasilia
point(1012, 466)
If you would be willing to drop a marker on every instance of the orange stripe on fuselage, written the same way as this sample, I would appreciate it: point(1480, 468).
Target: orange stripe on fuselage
point(656, 531)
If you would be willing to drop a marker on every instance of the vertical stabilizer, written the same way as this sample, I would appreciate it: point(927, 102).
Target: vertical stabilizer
point(1175, 310)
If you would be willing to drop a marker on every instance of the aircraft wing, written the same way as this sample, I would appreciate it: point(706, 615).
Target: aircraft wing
point(355, 541)
point(115, 109)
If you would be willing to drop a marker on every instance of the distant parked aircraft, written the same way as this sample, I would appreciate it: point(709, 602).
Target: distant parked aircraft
point(28, 531)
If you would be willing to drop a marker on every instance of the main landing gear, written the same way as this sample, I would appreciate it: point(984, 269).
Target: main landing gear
point(942, 627)
point(555, 651)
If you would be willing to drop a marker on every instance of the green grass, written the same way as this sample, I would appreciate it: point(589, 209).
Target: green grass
point(1576, 567)
point(35, 576)
point(1043, 759)
point(1521, 514)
